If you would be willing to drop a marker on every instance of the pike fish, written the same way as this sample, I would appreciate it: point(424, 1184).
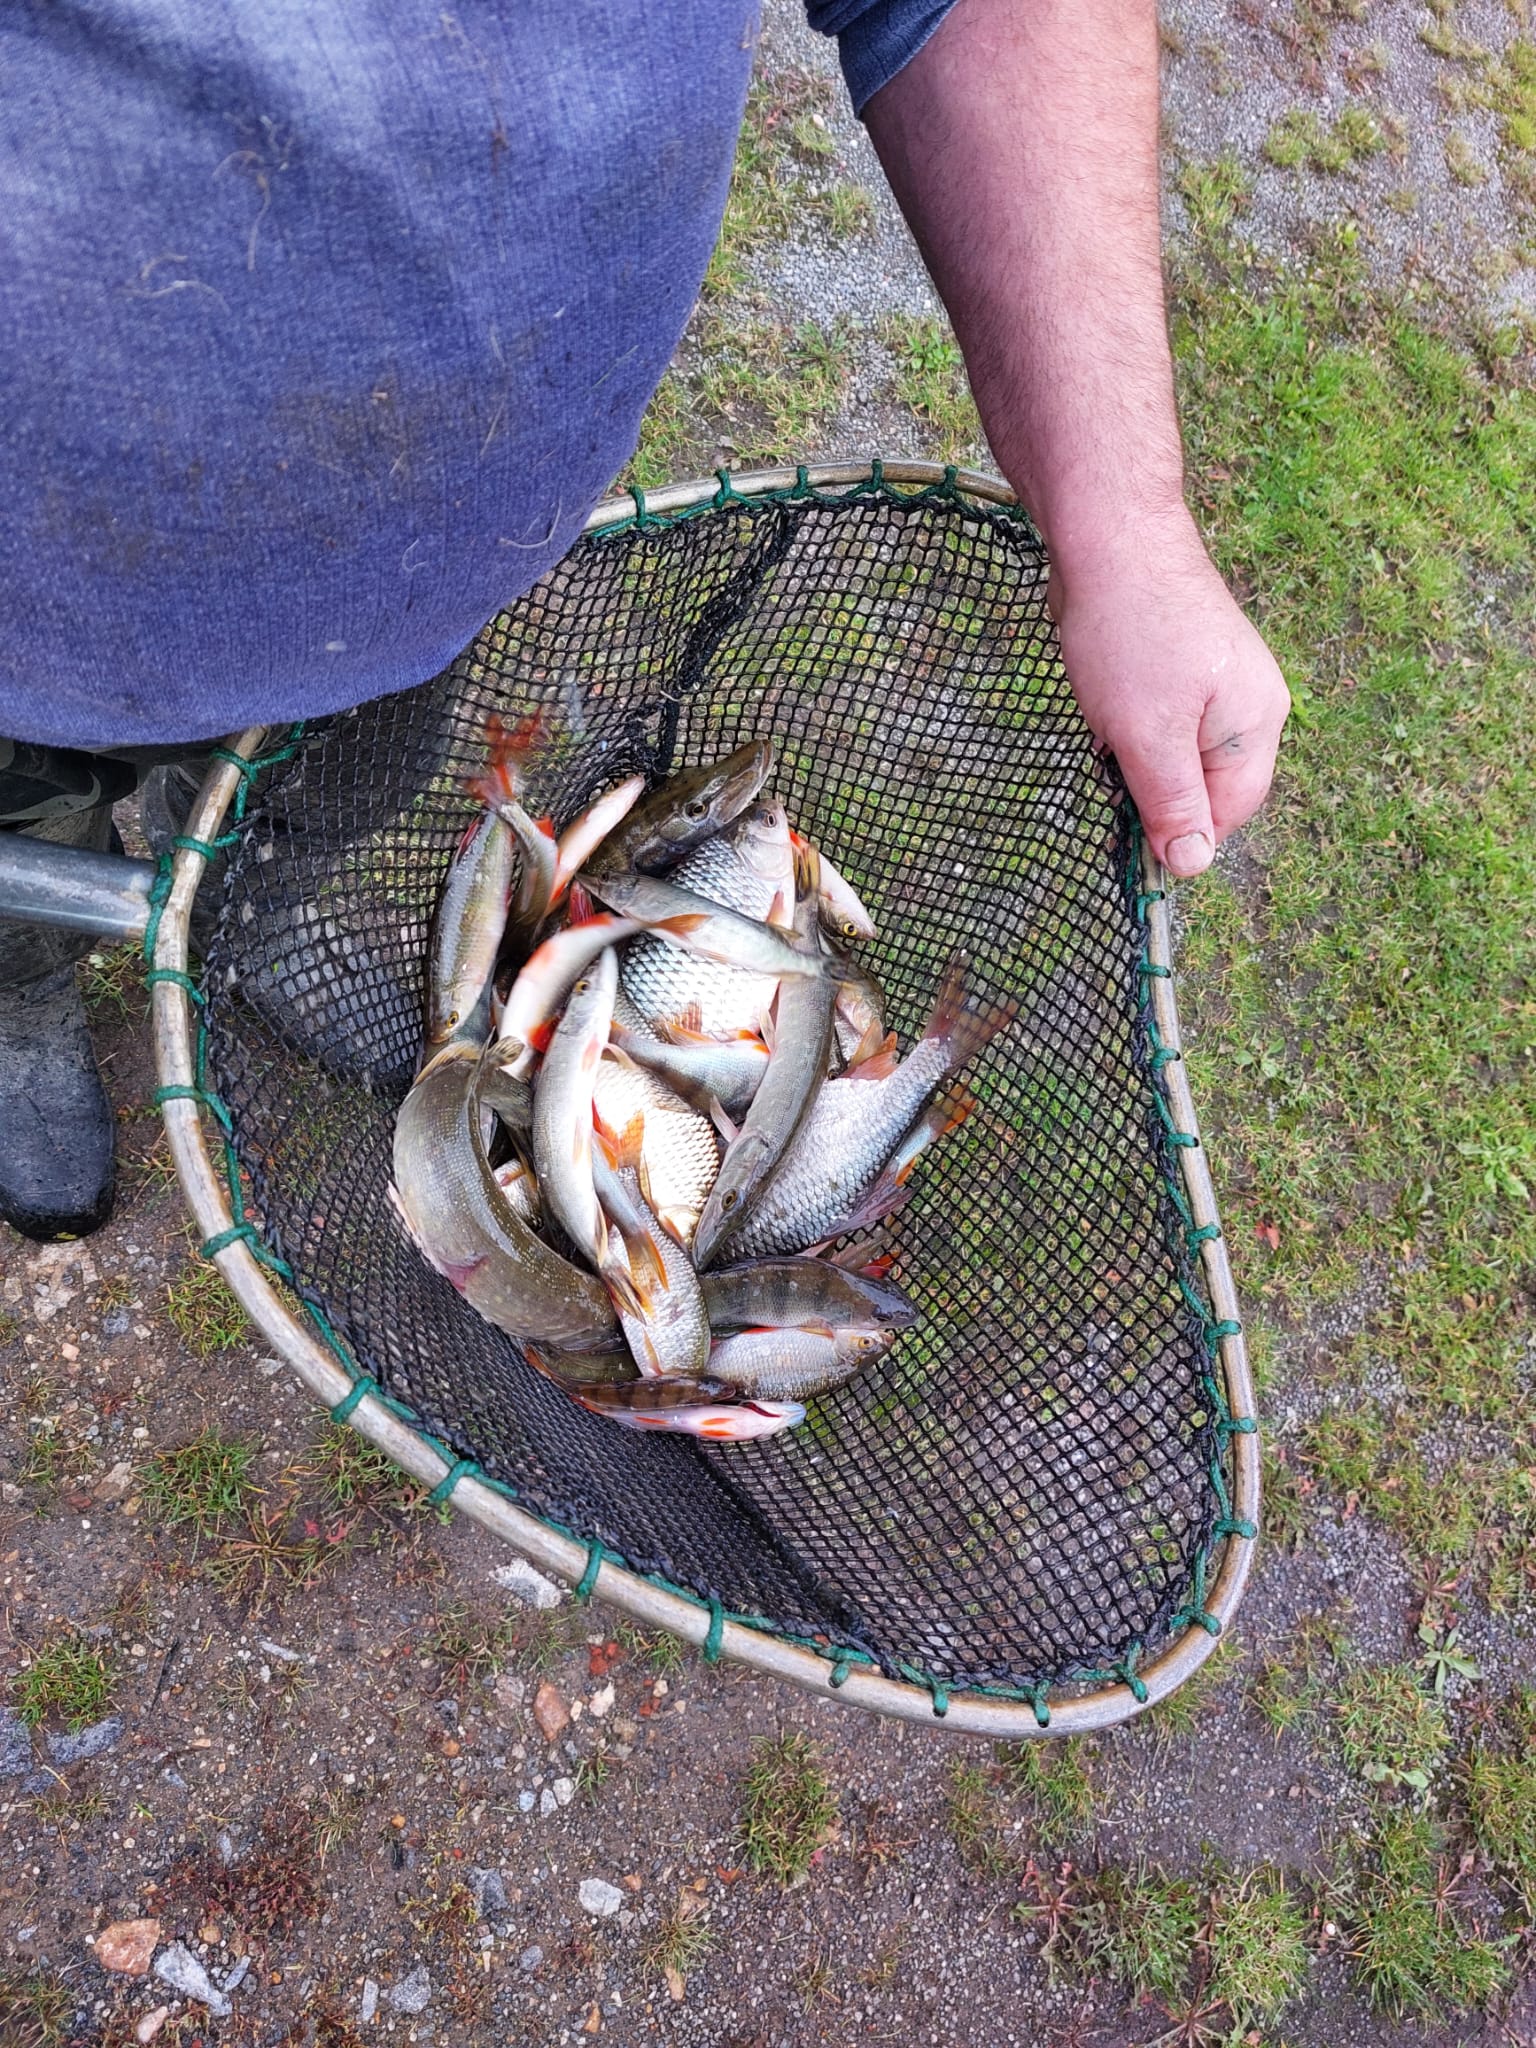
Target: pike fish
point(446, 1194)
point(684, 812)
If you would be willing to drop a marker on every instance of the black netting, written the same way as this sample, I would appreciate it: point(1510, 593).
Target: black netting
point(1017, 1491)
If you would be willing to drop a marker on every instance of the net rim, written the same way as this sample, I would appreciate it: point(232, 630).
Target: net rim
point(173, 1026)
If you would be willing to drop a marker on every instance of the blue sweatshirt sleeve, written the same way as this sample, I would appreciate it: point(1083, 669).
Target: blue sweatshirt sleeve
point(875, 38)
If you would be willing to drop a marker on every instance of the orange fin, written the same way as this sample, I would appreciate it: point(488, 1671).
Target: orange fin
point(579, 908)
point(684, 925)
point(508, 748)
point(876, 1065)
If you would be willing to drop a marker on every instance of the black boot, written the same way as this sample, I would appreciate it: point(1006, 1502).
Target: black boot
point(57, 1130)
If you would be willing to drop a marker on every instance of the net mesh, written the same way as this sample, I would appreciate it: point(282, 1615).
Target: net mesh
point(1021, 1490)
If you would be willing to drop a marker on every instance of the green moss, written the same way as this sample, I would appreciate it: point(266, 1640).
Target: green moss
point(1299, 140)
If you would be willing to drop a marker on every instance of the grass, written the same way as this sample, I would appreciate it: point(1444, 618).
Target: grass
point(1181, 1713)
point(1372, 486)
point(1499, 1787)
point(1391, 1730)
point(1411, 1950)
point(1257, 1951)
point(203, 1484)
point(1300, 141)
point(1054, 1779)
point(205, 1313)
point(352, 1473)
point(930, 381)
point(973, 1817)
point(35, 2011)
point(679, 1945)
point(113, 980)
point(470, 1646)
point(788, 1806)
point(68, 1678)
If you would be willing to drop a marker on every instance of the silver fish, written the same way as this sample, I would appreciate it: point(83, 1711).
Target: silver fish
point(679, 1150)
point(669, 1335)
point(796, 1069)
point(562, 1124)
point(858, 1120)
point(780, 1365)
point(690, 1407)
point(749, 867)
point(708, 1073)
point(842, 914)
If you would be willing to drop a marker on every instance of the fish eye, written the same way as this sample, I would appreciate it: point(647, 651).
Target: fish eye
point(453, 1018)
point(729, 1199)
point(582, 986)
point(696, 809)
point(849, 929)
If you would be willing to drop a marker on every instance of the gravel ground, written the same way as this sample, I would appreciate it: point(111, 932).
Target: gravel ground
point(465, 1896)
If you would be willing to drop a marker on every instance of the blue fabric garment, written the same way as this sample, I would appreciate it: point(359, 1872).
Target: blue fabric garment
point(875, 38)
point(324, 323)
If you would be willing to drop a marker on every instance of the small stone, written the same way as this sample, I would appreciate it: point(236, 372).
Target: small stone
point(550, 1711)
point(564, 1790)
point(88, 1742)
point(488, 1892)
point(452, 1746)
point(412, 1994)
point(208, 1932)
point(677, 1990)
point(127, 1946)
point(508, 1692)
point(524, 1583)
point(547, 1801)
point(178, 1967)
point(237, 1975)
point(626, 1731)
point(224, 1842)
point(632, 1882)
point(599, 1898)
point(660, 1688)
point(530, 1959)
point(397, 1820)
point(368, 2004)
point(116, 1484)
point(117, 1322)
point(525, 1802)
point(15, 1745)
point(151, 2023)
point(600, 1703)
point(592, 2024)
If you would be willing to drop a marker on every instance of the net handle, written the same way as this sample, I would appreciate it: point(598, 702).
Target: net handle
point(204, 1190)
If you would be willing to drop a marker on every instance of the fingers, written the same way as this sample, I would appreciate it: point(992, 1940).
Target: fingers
point(1165, 775)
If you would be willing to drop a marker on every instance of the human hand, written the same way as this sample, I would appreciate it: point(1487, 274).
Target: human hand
point(1174, 680)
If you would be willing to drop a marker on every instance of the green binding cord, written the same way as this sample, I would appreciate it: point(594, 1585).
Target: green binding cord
point(715, 1634)
point(842, 1665)
point(461, 1468)
point(1041, 1704)
point(364, 1385)
point(588, 1578)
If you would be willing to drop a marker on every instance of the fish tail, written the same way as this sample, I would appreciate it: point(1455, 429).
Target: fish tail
point(510, 748)
point(963, 1033)
point(862, 1258)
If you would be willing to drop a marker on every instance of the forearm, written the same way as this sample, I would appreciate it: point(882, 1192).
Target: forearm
point(1021, 142)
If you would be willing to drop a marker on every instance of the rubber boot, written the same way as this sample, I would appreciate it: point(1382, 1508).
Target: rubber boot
point(57, 1130)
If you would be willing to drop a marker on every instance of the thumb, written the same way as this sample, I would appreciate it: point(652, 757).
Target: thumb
point(1166, 777)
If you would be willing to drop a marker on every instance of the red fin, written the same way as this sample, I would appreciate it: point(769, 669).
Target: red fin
point(541, 1034)
point(964, 1032)
point(579, 908)
point(877, 1065)
point(629, 1144)
point(509, 748)
point(863, 1259)
point(685, 924)
point(952, 1109)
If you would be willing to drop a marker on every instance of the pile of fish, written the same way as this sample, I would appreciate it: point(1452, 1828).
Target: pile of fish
point(656, 1089)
